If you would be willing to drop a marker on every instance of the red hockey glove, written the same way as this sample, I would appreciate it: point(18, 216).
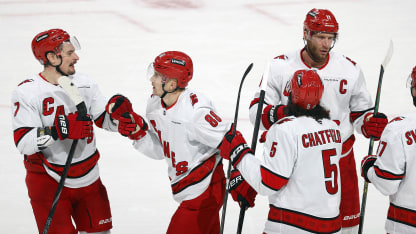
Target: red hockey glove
point(132, 125)
point(234, 148)
point(374, 125)
point(73, 126)
point(367, 162)
point(117, 105)
point(241, 191)
point(271, 114)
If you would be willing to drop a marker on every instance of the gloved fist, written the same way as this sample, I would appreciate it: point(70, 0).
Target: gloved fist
point(271, 114)
point(374, 125)
point(234, 148)
point(73, 126)
point(240, 190)
point(117, 105)
point(367, 162)
point(132, 125)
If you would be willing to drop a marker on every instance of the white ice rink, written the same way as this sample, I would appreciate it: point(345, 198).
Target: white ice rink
point(120, 38)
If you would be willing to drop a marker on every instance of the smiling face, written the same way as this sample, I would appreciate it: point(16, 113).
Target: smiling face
point(69, 58)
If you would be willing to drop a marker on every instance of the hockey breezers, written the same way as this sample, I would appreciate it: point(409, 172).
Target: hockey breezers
point(370, 149)
point(244, 207)
point(73, 93)
point(224, 207)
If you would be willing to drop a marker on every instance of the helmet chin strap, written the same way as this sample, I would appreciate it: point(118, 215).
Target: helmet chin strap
point(166, 92)
point(58, 69)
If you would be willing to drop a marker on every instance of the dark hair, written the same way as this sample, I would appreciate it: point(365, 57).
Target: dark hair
point(316, 113)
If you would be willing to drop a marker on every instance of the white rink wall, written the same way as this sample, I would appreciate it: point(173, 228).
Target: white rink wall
point(120, 38)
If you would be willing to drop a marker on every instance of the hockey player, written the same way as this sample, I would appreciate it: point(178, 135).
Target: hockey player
point(393, 170)
point(299, 169)
point(184, 129)
point(345, 97)
point(45, 123)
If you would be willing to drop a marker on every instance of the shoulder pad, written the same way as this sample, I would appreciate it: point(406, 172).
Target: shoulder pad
point(25, 81)
point(283, 57)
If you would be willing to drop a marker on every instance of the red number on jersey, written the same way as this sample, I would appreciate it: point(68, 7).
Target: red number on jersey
point(383, 145)
point(330, 171)
point(17, 104)
point(273, 149)
point(213, 118)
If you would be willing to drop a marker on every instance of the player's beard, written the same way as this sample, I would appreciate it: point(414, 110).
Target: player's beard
point(313, 52)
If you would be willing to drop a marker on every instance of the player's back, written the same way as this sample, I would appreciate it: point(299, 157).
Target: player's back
point(312, 193)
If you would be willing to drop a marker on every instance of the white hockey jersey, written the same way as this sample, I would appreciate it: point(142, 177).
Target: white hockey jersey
point(186, 135)
point(394, 173)
point(299, 173)
point(35, 104)
point(345, 94)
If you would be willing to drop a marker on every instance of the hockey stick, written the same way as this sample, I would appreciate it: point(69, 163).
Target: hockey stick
point(244, 207)
point(224, 206)
point(370, 149)
point(73, 93)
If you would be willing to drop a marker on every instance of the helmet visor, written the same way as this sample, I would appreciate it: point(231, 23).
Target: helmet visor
point(410, 83)
point(74, 41)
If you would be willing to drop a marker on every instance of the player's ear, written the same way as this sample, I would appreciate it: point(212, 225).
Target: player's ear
point(53, 59)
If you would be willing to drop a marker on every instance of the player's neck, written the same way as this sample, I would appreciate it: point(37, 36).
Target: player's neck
point(310, 62)
point(51, 75)
point(171, 98)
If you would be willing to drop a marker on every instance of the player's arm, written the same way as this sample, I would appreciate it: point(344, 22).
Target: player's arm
point(273, 110)
point(134, 126)
point(31, 136)
point(386, 169)
point(362, 117)
point(265, 177)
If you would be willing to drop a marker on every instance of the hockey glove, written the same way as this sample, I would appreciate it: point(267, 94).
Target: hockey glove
point(374, 125)
point(132, 125)
point(241, 191)
point(367, 162)
point(73, 126)
point(271, 114)
point(117, 105)
point(234, 148)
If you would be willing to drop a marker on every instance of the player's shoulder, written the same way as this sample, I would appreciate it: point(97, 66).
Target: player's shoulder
point(402, 121)
point(196, 99)
point(286, 57)
point(346, 61)
point(28, 86)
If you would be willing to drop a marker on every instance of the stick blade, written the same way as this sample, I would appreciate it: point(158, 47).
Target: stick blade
point(388, 55)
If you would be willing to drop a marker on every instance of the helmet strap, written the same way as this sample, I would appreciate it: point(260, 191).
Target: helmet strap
point(166, 92)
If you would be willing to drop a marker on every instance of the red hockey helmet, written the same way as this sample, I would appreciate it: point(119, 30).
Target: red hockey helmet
point(411, 81)
point(320, 20)
point(306, 89)
point(48, 41)
point(174, 65)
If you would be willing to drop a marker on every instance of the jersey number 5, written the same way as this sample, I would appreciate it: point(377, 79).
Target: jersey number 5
point(330, 171)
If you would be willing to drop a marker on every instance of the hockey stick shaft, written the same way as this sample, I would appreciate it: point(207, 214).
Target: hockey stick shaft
point(73, 93)
point(370, 148)
point(224, 206)
point(244, 207)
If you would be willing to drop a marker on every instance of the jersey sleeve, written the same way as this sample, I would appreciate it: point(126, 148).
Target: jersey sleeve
point(390, 166)
point(208, 127)
point(360, 102)
point(97, 110)
point(279, 157)
point(272, 94)
point(150, 145)
point(25, 122)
